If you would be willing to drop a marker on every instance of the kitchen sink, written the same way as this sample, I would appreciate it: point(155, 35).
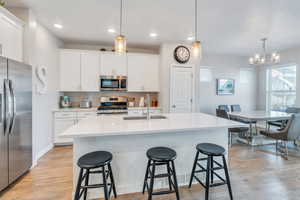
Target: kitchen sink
point(144, 117)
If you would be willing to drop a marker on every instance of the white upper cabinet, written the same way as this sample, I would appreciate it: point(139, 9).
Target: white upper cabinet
point(79, 70)
point(70, 70)
point(143, 73)
point(113, 64)
point(90, 71)
point(11, 36)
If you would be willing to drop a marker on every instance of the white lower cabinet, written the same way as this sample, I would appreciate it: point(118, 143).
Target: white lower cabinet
point(60, 126)
point(64, 120)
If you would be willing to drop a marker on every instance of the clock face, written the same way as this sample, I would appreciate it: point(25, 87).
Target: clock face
point(182, 54)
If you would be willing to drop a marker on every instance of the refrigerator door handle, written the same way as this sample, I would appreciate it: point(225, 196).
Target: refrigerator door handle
point(7, 106)
point(14, 111)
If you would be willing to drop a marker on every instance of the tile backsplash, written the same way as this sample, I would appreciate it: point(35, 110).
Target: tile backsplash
point(94, 97)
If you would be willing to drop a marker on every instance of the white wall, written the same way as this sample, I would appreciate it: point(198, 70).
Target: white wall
point(291, 56)
point(166, 61)
point(233, 67)
point(205, 92)
point(41, 48)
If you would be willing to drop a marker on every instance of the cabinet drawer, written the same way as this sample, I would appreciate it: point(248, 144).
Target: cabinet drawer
point(86, 114)
point(65, 115)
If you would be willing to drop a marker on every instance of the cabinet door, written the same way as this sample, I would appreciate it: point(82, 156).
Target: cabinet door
point(90, 71)
point(143, 73)
point(70, 70)
point(113, 64)
point(60, 126)
point(11, 39)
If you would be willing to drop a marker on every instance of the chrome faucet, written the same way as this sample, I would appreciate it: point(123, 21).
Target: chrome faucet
point(148, 106)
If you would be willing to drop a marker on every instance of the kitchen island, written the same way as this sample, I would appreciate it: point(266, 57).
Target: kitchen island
point(128, 141)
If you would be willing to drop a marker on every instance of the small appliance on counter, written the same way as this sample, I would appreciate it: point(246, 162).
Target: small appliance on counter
point(85, 104)
point(65, 102)
point(113, 105)
point(142, 102)
point(131, 102)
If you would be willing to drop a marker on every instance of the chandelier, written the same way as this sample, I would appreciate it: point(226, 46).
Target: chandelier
point(264, 58)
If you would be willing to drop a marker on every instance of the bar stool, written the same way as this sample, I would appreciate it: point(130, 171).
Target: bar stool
point(211, 151)
point(161, 156)
point(88, 164)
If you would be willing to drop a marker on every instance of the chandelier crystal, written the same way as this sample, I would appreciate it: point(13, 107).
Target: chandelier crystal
point(265, 58)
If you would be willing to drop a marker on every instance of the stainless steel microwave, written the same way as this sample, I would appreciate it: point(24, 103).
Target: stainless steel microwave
point(113, 83)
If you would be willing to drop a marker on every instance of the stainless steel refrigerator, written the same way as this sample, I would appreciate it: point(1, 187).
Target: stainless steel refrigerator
point(15, 120)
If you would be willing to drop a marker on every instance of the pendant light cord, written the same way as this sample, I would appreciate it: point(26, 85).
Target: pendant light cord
point(196, 19)
point(121, 13)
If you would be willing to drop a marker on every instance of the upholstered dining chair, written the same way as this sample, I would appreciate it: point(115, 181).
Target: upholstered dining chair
point(291, 132)
point(238, 130)
point(224, 107)
point(282, 123)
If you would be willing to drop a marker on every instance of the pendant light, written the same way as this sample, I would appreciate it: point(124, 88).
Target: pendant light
point(120, 40)
point(196, 45)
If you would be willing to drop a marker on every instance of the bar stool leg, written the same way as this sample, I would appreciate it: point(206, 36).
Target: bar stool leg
point(146, 175)
point(193, 170)
point(105, 183)
point(212, 169)
point(86, 183)
point(175, 181)
point(207, 178)
point(150, 191)
point(227, 177)
point(76, 197)
point(112, 180)
point(169, 177)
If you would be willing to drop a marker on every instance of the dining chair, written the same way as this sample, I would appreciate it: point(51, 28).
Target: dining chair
point(236, 108)
point(282, 123)
point(224, 107)
point(291, 132)
point(238, 130)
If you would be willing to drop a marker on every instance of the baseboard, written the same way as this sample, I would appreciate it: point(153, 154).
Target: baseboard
point(44, 151)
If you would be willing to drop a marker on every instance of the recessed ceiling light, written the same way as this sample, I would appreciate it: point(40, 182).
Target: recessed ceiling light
point(190, 38)
point(153, 35)
point(59, 26)
point(111, 30)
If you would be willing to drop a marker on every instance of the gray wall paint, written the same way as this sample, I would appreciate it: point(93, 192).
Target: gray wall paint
point(291, 56)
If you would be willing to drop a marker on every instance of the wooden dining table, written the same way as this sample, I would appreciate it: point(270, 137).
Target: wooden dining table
point(255, 116)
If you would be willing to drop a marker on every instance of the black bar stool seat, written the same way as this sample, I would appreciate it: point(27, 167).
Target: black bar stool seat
point(97, 162)
point(95, 159)
point(161, 156)
point(211, 151)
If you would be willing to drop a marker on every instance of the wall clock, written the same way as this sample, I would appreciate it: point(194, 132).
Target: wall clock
point(182, 54)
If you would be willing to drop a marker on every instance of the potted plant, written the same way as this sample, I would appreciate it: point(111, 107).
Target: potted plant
point(2, 3)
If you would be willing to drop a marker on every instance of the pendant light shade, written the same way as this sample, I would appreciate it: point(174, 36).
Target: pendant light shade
point(120, 40)
point(196, 45)
point(120, 44)
point(197, 49)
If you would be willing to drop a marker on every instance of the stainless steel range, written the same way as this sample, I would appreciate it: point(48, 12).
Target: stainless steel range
point(113, 105)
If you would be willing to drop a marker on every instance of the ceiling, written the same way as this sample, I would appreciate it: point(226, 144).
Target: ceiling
point(225, 27)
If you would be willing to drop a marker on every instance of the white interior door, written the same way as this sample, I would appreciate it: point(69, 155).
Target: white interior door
point(181, 94)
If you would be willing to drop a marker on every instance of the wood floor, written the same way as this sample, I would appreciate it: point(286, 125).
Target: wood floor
point(257, 174)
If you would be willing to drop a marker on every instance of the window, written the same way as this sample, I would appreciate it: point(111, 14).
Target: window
point(281, 87)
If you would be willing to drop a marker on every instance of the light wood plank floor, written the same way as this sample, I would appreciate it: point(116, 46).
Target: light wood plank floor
point(256, 175)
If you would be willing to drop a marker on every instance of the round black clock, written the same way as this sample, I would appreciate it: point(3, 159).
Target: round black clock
point(182, 54)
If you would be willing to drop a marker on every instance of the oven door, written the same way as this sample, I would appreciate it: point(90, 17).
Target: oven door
point(109, 84)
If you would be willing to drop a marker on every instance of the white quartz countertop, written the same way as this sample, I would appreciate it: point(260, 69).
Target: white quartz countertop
point(75, 109)
point(111, 125)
